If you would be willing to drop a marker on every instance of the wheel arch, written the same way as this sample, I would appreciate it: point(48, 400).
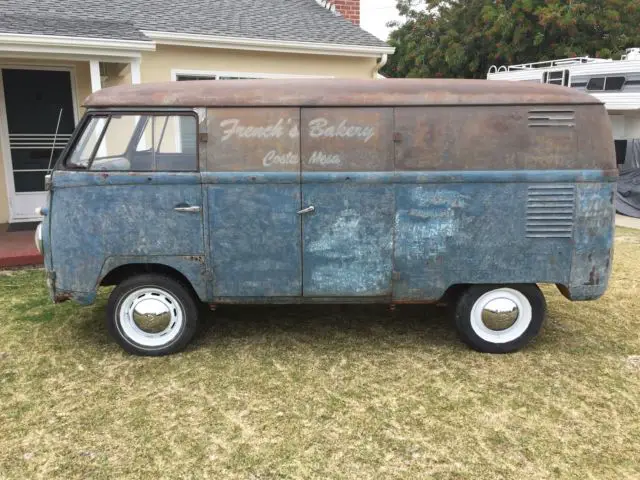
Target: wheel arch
point(189, 271)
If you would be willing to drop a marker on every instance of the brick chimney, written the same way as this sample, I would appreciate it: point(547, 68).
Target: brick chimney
point(349, 9)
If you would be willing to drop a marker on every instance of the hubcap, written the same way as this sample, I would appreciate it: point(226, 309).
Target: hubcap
point(501, 315)
point(150, 317)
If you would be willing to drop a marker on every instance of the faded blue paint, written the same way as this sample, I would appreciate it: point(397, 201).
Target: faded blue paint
point(401, 236)
point(91, 223)
point(254, 232)
point(250, 178)
point(505, 176)
point(593, 241)
point(469, 233)
point(467, 176)
point(70, 179)
point(82, 298)
point(348, 240)
point(46, 249)
point(193, 267)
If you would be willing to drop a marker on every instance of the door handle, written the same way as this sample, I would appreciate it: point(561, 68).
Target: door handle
point(188, 209)
point(309, 209)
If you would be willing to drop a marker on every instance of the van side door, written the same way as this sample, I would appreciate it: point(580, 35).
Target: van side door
point(252, 184)
point(348, 200)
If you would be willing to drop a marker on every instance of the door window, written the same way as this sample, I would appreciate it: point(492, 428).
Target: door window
point(128, 142)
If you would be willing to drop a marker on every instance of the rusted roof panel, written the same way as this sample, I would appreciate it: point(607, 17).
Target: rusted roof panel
point(323, 92)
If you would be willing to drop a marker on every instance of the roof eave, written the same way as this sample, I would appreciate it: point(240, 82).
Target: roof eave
point(28, 43)
point(265, 45)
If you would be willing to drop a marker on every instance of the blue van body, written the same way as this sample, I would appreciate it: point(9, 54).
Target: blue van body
point(413, 193)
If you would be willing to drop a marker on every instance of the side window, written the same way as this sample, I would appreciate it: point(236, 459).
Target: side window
point(112, 150)
point(614, 83)
point(596, 83)
point(143, 143)
point(606, 83)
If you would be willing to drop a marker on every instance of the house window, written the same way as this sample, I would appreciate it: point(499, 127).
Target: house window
point(187, 129)
point(182, 78)
point(556, 77)
point(606, 83)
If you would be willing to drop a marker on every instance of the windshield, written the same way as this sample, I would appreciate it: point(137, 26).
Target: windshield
point(86, 145)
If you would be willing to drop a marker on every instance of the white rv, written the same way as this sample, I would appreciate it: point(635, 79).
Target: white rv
point(616, 83)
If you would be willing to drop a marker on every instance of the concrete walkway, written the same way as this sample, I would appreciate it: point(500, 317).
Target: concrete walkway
point(628, 222)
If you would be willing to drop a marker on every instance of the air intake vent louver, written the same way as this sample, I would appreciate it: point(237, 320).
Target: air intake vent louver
point(550, 210)
point(552, 118)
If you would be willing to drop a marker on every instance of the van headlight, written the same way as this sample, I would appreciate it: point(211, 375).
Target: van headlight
point(38, 238)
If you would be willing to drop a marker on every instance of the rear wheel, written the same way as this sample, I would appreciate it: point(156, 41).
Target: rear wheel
point(499, 319)
point(152, 315)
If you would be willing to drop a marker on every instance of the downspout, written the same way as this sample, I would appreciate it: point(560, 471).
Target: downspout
point(379, 65)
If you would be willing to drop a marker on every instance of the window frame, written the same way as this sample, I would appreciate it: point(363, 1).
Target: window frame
point(605, 79)
point(216, 74)
point(76, 137)
point(565, 79)
point(107, 114)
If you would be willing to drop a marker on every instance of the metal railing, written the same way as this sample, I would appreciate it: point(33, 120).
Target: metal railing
point(562, 62)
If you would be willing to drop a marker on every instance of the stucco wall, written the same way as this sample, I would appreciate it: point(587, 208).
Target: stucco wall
point(156, 66)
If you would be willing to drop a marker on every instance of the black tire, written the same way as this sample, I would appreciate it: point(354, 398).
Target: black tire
point(529, 326)
point(186, 304)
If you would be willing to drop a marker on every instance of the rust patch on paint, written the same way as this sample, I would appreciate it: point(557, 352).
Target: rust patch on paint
point(194, 258)
point(594, 277)
point(62, 297)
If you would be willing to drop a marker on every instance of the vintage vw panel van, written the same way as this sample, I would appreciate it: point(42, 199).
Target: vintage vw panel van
point(289, 191)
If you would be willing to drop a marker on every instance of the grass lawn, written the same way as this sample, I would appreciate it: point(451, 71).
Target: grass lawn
point(322, 392)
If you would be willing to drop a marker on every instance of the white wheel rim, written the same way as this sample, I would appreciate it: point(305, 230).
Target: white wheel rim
point(172, 314)
point(519, 326)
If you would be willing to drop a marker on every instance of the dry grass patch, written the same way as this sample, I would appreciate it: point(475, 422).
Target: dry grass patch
point(322, 392)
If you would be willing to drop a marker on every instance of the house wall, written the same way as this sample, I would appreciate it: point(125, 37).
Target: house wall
point(156, 66)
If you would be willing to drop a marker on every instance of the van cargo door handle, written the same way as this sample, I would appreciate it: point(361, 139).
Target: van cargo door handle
point(306, 210)
point(188, 209)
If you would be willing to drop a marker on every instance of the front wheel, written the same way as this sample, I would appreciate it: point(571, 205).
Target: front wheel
point(152, 315)
point(499, 319)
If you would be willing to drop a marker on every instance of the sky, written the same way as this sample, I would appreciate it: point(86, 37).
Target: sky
point(374, 14)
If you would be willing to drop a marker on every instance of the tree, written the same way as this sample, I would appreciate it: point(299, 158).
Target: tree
point(463, 38)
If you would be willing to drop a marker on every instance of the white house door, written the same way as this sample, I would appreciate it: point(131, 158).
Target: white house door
point(34, 100)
